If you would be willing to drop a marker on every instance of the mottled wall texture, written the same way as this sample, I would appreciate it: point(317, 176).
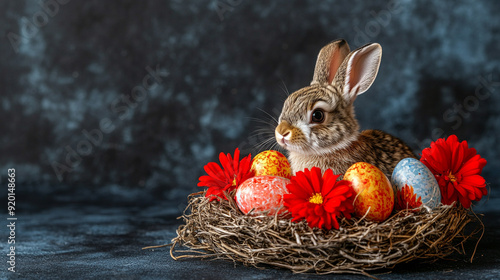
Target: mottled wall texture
point(136, 96)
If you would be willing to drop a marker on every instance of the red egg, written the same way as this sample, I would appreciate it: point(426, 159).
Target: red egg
point(262, 193)
point(373, 189)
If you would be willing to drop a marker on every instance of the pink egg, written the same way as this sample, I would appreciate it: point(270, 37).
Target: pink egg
point(262, 193)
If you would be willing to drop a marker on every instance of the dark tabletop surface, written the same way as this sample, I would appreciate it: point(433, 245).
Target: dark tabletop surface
point(100, 234)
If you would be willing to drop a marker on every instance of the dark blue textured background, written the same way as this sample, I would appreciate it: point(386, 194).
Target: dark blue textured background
point(79, 67)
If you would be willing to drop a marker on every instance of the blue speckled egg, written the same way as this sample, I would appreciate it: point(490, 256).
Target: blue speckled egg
point(414, 185)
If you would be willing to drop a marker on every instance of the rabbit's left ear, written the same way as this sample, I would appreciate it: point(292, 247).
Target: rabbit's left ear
point(358, 71)
point(329, 60)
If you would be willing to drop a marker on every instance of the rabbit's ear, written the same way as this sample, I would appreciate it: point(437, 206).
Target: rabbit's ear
point(358, 71)
point(329, 60)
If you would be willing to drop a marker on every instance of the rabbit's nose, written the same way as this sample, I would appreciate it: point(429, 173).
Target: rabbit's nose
point(284, 129)
point(286, 135)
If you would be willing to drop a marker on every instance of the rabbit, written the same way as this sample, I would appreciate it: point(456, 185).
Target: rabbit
point(317, 125)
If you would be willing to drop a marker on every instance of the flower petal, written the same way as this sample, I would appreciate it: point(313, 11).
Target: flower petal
point(473, 166)
point(339, 189)
point(328, 222)
point(457, 159)
point(318, 210)
point(214, 170)
point(302, 180)
point(332, 205)
point(298, 190)
point(336, 223)
point(236, 159)
point(225, 161)
point(464, 201)
point(450, 190)
point(474, 180)
point(329, 181)
point(316, 179)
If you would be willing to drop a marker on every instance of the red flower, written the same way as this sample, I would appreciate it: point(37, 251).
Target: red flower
point(457, 169)
point(233, 173)
point(319, 200)
point(407, 199)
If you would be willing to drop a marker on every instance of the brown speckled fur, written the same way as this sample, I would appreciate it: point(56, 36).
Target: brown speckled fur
point(336, 143)
point(373, 146)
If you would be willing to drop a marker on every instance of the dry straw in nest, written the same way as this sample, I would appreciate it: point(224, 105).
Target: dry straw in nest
point(219, 230)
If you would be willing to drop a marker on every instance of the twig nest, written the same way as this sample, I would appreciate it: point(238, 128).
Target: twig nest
point(218, 229)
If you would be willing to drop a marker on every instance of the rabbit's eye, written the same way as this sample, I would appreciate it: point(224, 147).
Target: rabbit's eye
point(317, 116)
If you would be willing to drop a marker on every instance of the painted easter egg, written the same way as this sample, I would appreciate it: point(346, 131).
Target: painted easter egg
point(414, 185)
point(271, 163)
point(262, 193)
point(373, 189)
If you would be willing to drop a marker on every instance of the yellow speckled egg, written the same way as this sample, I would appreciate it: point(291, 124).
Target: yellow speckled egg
point(373, 189)
point(271, 163)
point(262, 193)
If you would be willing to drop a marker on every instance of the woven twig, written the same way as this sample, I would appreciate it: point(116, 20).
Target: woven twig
point(219, 230)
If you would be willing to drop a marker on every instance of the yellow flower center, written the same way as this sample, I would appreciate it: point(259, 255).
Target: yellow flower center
point(234, 182)
point(316, 198)
point(452, 177)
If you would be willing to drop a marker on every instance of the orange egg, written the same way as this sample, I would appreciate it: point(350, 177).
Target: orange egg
point(373, 189)
point(271, 163)
point(262, 193)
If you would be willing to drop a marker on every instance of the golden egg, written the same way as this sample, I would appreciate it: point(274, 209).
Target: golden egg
point(373, 189)
point(271, 163)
